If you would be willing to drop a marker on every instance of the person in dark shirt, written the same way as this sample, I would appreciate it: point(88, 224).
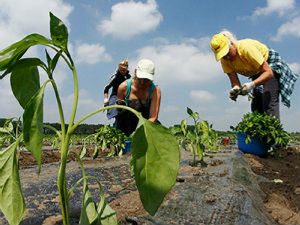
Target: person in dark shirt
point(115, 80)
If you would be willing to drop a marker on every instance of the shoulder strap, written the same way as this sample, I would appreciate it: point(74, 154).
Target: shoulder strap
point(150, 92)
point(128, 88)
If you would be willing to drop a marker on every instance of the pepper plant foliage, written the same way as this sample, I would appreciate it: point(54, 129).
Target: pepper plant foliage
point(196, 140)
point(106, 137)
point(267, 128)
point(155, 153)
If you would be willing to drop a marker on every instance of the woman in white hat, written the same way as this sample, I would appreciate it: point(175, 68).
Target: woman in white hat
point(263, 65)
point(140, 93)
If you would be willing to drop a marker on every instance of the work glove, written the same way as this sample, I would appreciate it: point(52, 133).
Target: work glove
point(234, 92)
point(106, 101)
point(247, 88)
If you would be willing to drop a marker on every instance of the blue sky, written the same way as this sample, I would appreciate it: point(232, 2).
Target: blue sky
point(174, 34)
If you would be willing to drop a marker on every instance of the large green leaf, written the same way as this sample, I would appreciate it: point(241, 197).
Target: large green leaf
point(12, 202)
point(25, 79)
point(10, 55)
point(33, 124)
point(155, 159)
point(58, 32)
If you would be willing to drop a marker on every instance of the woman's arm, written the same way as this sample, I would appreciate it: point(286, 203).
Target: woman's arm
point(234, 80)
point(266, 75)
point(155, 104)
point(122, 91)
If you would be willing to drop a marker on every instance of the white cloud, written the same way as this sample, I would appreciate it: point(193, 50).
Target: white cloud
point(289, 28)
point(295, 67)
point(9, 105)
point(202, 95)
point(131, 18)
point(185, 62)
point(20, 18)
point(170, 108)
point(86, 105)
point(275, 6)
point(91, 53)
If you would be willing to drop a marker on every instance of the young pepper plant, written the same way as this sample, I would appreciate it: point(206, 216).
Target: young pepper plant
point(196, 140)
point(155, 153)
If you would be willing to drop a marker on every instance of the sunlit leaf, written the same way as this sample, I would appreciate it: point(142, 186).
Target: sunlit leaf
point(33, 125)
point(88, 210)
point(83, 152)
point(58, 32)
point(12, 202)
point(184, 126)
point(91, 213)
point(106, 215)
point(10, 55)
point(25, 79)
point(155, 158)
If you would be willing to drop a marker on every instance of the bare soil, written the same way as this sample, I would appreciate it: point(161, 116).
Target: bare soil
point(282, 188)
point(282, 199)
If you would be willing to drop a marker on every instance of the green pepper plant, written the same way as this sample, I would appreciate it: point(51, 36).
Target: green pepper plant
point(267, 128)
point(152, 144)
point(10, 134)
point(196, 140)
point(106, 137)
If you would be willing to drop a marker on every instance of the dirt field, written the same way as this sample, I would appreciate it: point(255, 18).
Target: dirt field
point(281, 186)
point(282, 199)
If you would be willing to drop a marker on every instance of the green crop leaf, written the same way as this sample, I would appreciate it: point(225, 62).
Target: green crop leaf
point(184, 126)
point(189, 111)
point(58, 32)
point(155, 158)
point(10, 55)
point(200, 149)
point(48, 57)
point(106, 215)
point(33, 124)
point(195, 115)
point(88, 210)
point(8, 127)
point(12, 202)
point(25, 79)
point(91, 213)
point(55, 60)
point(83, 152)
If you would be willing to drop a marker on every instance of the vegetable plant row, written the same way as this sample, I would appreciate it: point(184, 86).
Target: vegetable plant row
point(155, 151)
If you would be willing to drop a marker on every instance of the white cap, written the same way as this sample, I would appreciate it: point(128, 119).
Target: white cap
point(145, 69)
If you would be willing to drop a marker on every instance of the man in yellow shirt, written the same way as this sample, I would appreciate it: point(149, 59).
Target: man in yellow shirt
point(264, 66)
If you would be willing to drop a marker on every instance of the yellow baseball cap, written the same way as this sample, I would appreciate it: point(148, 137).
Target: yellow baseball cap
point(219, 45)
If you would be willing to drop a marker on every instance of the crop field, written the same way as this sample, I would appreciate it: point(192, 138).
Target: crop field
point(184, 174)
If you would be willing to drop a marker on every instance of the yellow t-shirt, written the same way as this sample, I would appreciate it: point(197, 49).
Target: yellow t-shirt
point(250, 56)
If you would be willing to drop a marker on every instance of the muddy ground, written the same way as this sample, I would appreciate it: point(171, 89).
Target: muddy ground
point(278, 175)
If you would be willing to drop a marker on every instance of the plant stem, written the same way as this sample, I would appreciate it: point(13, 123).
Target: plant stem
point(61, 181)
point(75, 101)
point(61, 113)
point(102, 109)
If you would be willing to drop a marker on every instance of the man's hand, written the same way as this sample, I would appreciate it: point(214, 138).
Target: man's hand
point(247, 88)
point(106, 101)
point(234, 92)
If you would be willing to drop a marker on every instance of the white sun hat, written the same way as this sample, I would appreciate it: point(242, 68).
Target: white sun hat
point(145, 69)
